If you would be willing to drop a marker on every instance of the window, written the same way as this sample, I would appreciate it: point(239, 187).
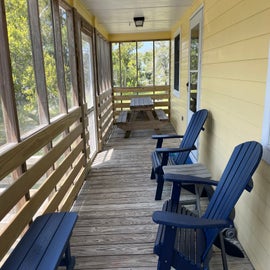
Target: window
point(68, 54)
point(116, 63)
point(49, 57)
point(144, 63)
point(22, 65)
point(40, 68)
point(88, 70)
point(266, 121)
point(162, 62)
point(176, 62)
point(128, 64)
point(89, 89)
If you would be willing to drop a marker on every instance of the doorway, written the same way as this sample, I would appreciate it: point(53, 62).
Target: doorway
point(89, 92)
point(194, 74)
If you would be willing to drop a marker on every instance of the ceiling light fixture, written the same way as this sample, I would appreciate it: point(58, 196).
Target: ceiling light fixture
point(139, 21)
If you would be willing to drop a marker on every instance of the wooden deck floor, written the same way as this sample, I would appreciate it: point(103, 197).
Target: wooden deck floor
point(115, 229)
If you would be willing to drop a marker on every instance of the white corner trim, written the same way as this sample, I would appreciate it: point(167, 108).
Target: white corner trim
point(266, 119)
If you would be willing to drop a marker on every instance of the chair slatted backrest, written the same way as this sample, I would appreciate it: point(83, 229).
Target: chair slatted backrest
point(192, 132)
point(236, 176)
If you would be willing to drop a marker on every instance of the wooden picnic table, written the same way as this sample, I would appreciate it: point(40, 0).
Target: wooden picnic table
point(142, 115)
point(141, 104)
point(144, 105)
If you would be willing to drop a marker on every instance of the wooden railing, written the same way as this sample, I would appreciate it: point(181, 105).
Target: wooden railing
point(159, 94)
point(49, 168)
point(105, 116)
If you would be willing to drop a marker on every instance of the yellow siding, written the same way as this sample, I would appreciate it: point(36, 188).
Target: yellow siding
point(236, 38)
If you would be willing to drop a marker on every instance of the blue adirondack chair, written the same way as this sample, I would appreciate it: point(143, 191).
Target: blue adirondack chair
point(175, 156)
point(184, 241)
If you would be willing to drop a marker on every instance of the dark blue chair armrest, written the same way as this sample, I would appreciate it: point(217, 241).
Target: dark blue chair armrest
point(189, 179)
point(174, 150)
point(160, 138)
point(166, 136)
point(186, 221)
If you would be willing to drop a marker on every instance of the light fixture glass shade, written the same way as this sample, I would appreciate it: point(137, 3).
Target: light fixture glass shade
point(139, 21)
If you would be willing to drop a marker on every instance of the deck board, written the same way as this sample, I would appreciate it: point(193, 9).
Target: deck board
point(115, 228)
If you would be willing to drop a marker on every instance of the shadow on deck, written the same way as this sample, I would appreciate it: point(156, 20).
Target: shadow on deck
point(115, 228)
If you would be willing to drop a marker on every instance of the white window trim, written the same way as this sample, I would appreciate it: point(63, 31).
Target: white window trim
point(266, 119)
point(176, 93)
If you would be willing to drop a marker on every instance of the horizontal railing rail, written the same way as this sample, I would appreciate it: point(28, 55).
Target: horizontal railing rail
point(123, 95)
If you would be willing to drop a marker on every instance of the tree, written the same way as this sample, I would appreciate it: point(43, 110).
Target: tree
point(162, 62)
point(128, 64)
point(129, 60)
point(22, 61)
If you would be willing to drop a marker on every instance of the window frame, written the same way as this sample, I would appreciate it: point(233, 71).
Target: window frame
point(176, 92)
point(137, 70)
point(266, 119)
point(10, 115)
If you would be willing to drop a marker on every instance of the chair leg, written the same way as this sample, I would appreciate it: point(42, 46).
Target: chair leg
point(160, 183)
point(166, 256)
point(68, 261)
point(153, 175)
point(223, 251)
point(198, 192)
point(175, 193)
point(163, 266)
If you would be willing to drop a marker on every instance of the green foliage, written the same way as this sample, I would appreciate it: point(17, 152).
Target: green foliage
point(45, 16)
point(128, 64)
point(162, 62)
point(145, 63)
point(22, 60)
point(130, 61)
point(66, 55)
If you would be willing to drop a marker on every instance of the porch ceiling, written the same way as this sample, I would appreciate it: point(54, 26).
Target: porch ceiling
point(116, 16)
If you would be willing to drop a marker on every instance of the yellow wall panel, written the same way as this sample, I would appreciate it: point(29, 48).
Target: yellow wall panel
point(250, 70)
point(242, 50)
point(217, 9)
point(253, 26)
point(245, 90)
point(227, 14)
point(256, 244)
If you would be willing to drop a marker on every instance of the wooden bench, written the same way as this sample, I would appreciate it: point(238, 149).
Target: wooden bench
point(45, 245)
point(148, 118)
point(161, 115)
point(123, 117)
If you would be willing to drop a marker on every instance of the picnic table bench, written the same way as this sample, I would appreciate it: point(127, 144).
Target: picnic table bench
point(45, 245)
point(141, 115)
